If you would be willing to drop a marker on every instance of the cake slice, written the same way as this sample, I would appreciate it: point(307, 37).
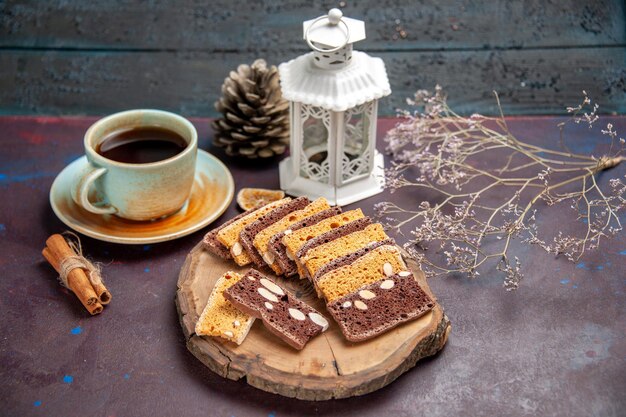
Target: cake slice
point(283, 314)
point(262, 238)
point(278, 250)
point(333, 247)
point(229, 235)
point(286, 245)
point(220, 317)
point(216, 247)
point(382, 261)
point(380, 306)
point(351, 257)
point(248, 233)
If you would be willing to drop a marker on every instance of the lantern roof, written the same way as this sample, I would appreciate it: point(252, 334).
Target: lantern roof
point(364, 79)
point(332, 29)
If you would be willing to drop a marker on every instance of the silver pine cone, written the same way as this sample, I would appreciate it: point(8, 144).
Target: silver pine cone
point(255, 122)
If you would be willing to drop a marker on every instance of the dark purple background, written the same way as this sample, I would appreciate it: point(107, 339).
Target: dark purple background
point(554, 347)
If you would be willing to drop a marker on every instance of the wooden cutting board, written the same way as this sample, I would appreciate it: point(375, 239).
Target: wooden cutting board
point(328, 367)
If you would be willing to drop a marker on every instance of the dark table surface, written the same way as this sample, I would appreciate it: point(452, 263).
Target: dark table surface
point(554, 347)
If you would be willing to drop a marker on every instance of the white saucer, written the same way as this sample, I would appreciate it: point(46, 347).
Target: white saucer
point(211, 194)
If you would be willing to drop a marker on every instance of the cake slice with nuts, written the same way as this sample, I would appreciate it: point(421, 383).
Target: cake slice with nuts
point(380, 306)
point(220, 317)
point(282, 313)
point(263, 236)
point(356, 270)
point(286, 245)
point(229, 235)
point(213, 245)
point(339, 242)
point(247, 235)
point(278, 250)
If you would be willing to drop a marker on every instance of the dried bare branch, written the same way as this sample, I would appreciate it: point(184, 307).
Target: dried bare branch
point(441, 153)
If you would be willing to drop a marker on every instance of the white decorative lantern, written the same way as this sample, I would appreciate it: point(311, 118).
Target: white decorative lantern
point(333, 97)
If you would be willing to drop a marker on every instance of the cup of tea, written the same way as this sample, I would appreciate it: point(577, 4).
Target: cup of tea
point(141, 165)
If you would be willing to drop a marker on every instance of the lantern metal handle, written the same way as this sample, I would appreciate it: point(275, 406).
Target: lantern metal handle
point(320, 50)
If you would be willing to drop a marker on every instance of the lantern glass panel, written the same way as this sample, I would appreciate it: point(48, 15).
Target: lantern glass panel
point(314, 162)
point(356, 152)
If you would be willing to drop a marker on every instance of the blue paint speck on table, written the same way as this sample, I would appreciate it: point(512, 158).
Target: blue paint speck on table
point(126, 376)
point(5, 179)
point(565, 281)
point(272, 414)
point(3, 228)
point(581, 266)
point(37, 403)
point(622, 252)
point(76, 330)
point(68, 379)
point(146, 270)
point(147, 247)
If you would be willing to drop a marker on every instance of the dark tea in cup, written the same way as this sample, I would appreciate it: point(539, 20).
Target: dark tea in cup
point(141, 145)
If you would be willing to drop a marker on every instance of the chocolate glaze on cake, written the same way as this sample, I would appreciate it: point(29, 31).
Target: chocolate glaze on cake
point(351, 257)
point(282, 313)
point(346, 229)
point(216, 247)
point(279, 251)
point(246, 237)
point(379, 307)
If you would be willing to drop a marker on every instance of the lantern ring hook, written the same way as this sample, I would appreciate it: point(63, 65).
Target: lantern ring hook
point(320, 50)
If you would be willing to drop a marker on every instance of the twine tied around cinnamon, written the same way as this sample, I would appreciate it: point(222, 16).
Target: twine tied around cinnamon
point(78, 261)
point(76, 272)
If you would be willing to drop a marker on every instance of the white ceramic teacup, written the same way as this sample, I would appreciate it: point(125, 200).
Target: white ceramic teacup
point(145, 191)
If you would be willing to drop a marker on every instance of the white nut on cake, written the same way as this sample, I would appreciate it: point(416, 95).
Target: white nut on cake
point(237, 249)
point(387, 284)
point(404, 273)
point(268, 257)
point(228, 333)
point(269, 306)
point(272, 287)
point(388, 269)
point(347, 304)
point(360, 305)
point(319, 320)
point(367, 294)
point(297, 314)
point(267, 295)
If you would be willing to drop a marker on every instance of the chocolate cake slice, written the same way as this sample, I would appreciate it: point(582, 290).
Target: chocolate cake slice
point(246, 236)
point(382, 261)
point(294, 240)
point(376, 308)
point(324, 238)
point(229, 235)
point(351, 257)
point(261, 240)
point(320, 255)
point(216, 247)
point(282, 313)
point(279, 251)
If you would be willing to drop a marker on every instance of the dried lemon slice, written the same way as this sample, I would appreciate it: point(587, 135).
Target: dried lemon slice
point(249, 198)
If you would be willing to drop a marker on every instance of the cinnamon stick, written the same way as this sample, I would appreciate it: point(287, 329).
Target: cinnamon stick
point(103, 294)
point(57, 249)
point(95, 307)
